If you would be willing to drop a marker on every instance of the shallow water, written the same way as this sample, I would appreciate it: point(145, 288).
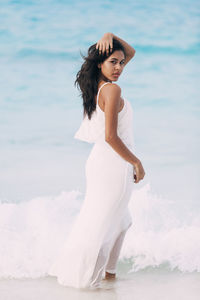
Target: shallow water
point(142, 285)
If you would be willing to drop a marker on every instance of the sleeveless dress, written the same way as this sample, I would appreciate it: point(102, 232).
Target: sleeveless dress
point(104, 212)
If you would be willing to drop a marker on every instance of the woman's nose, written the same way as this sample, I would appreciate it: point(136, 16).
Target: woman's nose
point(117, 66)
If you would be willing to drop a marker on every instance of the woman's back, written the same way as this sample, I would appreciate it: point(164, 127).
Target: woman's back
point(100, 103)
point(93, 131)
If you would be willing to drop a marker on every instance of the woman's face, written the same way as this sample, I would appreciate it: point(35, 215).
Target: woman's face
point(113, 66)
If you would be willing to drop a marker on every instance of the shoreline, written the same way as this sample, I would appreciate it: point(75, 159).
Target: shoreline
point(150, 284)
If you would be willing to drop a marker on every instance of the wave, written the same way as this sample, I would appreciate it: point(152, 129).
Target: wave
point(33, 232)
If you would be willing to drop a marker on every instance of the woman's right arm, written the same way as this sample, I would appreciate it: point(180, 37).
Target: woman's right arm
point(111, 96)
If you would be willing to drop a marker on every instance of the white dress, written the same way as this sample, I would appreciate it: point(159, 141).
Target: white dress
point(104, 213)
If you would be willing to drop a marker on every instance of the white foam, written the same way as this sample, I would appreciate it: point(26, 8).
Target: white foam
point(159, 236)
point(33, 232)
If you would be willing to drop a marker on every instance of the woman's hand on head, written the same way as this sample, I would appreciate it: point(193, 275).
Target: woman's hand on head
point(105, 42)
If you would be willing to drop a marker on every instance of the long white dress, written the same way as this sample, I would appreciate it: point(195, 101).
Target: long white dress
point(104, 213)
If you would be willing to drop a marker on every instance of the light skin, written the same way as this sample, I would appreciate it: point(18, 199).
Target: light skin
point(110, 100)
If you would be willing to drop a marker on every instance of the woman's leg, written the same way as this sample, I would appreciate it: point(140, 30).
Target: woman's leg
point(100, 265)
point(107, 261)
point(114, 254)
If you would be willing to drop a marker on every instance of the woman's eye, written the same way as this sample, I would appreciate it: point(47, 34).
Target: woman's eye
point(121, 63)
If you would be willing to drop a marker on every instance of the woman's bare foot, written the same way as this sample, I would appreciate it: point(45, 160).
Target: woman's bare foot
point(110, 276)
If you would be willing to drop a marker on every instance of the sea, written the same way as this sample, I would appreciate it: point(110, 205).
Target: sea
point(42, 166)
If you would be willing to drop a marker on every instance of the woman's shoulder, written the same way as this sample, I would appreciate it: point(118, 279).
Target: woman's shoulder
point(111, 87)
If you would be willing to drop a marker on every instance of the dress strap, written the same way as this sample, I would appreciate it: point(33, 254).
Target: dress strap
point(100, 89)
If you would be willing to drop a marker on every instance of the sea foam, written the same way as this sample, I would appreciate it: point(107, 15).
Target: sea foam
point(32, 233)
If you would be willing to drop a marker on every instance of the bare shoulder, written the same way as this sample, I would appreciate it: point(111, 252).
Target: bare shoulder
point(111, 98)
point(111, 90)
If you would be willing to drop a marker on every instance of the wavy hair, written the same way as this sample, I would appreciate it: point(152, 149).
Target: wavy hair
point(87, 78)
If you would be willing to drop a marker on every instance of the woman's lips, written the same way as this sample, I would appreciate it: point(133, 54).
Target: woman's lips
point(116, 75)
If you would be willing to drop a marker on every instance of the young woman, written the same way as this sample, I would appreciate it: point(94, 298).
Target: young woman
point(93, 245)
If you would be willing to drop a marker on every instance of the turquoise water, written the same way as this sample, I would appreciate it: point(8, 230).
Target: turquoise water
point(40, 110)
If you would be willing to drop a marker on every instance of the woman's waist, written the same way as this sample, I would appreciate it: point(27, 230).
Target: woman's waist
point(127, 141)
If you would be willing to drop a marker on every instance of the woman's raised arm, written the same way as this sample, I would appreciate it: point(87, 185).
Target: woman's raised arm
point(107, 41)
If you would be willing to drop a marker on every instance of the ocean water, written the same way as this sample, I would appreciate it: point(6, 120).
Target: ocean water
point(42, 175)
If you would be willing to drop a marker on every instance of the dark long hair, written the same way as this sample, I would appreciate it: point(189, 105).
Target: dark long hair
point(88, 77)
